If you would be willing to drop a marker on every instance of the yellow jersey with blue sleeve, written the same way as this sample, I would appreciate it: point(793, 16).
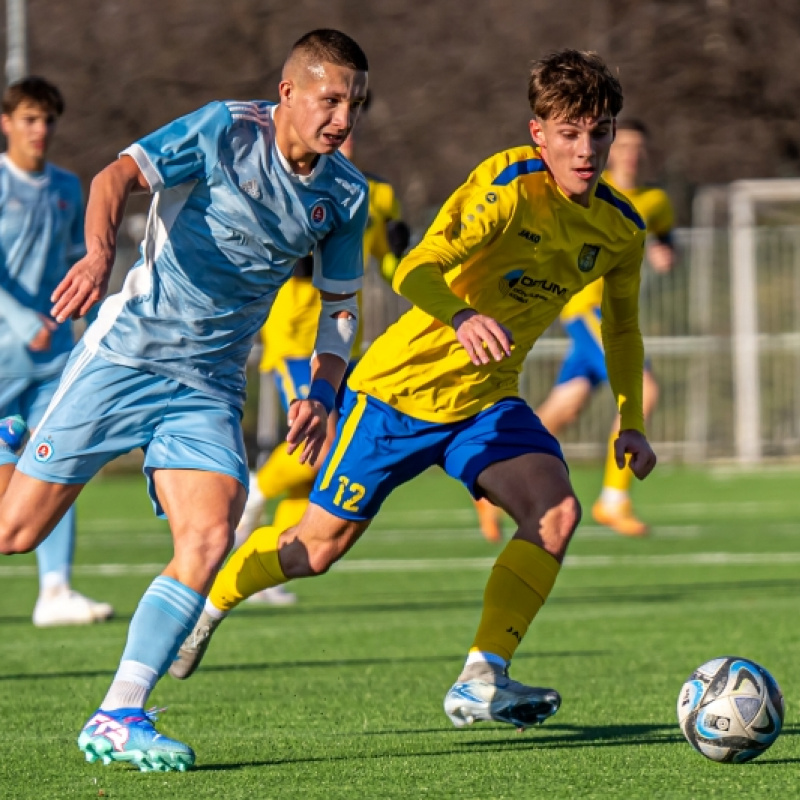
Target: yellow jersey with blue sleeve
point(511, 245)
point(654, 207)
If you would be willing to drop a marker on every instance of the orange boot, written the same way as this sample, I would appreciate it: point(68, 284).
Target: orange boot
point(489, 516)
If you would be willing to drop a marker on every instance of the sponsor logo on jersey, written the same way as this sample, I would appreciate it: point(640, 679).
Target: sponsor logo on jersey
point(44, 450)
point(251, 188)
point(530, 236)
point(522, 288)
point(318, 215)
point(491, 197)
point(588, 257)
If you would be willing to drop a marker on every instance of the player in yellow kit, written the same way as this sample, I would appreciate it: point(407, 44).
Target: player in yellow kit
point(528, 229)
point(584, 369)
point(288, 343)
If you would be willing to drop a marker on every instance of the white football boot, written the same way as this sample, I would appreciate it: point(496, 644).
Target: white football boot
point(64, 606)
point(484, 693)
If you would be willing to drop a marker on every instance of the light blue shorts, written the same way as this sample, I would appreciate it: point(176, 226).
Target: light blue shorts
point(102, 410)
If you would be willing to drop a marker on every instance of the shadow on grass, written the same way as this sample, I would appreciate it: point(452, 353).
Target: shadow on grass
point(550, 737)
point(273, 666)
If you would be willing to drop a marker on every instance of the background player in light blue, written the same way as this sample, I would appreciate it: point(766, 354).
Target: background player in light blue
point(41, 237)
point(241, 191)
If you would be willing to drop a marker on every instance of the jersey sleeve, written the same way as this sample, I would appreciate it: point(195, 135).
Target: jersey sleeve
point(339, 257)
point(662, 220)
point(622, 338)
point(472, 218)
point(183, 150)
point(76, 247)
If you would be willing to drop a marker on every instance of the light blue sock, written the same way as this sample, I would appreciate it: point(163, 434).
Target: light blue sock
point(54, 555)
point(164, 617)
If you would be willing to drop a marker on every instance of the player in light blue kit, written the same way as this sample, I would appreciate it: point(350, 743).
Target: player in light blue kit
point(242, 190)
point(41, 237)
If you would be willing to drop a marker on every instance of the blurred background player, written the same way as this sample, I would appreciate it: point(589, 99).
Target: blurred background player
point(584, 368)
point(41, 237)
point(288, 343)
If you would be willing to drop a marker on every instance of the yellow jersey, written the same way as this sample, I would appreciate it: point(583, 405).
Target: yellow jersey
point(512, 246)
point(291, 329)
point(655, 209)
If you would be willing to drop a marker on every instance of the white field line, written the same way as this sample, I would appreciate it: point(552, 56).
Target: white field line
point(370, 565)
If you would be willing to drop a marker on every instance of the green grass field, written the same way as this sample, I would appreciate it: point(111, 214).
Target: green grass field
point(341, 695)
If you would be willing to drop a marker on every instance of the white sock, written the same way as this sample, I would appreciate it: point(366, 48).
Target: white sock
point(54, 583)
point(613, 497)
point(480, 657)
point(131, 686)
point(213, 611)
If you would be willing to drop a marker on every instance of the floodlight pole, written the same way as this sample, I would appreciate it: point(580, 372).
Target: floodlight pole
point(17, 41)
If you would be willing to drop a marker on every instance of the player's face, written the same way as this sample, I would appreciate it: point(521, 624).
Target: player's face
point(628, 155)
point(575, 152)
point(29, 129)
point(322, 107)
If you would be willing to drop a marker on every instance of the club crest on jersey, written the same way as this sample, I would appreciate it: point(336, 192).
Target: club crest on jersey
point(318, 215)
point(588, 257)
point(43, 451)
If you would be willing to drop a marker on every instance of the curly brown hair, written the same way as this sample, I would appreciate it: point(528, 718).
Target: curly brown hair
point(572, 85)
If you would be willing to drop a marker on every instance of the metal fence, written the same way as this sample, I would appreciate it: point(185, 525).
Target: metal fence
point(691, 343)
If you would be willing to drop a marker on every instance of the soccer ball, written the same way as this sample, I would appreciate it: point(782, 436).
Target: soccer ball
point(730, 709)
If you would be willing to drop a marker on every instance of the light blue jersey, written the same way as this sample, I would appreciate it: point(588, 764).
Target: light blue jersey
point(227, 223)
point(41, 236)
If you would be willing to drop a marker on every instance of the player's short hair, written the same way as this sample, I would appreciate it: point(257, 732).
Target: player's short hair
point(633, 124)
point(331, 46)
point(573, 85)
point(33, 89)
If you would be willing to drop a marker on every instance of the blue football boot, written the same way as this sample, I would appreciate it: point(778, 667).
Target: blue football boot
point(12, 432)
point(128, 734)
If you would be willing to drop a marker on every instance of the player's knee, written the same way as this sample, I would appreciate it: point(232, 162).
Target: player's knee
point(15, 539)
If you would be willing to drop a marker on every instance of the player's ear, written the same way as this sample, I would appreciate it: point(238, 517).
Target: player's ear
point(537, 134)
point(5, 123)
point(286, 92)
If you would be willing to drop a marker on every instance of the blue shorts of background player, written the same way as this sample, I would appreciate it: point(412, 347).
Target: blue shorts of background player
point(293, 377)
point(585, 357)
point(378, 448)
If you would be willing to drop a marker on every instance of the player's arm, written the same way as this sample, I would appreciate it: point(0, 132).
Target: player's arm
point(181, 151)
point(338, 273)
point(624, 354)
point(661, 245)
point(465, 224)
point(87, 281)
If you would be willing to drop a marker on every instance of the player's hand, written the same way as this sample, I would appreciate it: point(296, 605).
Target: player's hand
point(308, 426)
point(43, 340)
point(83, 286)
point(635, 444)
point(660, 256)
point(478, 333)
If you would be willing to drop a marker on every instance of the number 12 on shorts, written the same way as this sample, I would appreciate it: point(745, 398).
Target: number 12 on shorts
point(354, 491)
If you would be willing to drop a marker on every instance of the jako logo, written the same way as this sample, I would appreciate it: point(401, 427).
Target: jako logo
point(530, 236)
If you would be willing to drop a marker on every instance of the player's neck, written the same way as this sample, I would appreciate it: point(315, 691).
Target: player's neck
point(624, 181)
point(300, 160)
point(26, 163)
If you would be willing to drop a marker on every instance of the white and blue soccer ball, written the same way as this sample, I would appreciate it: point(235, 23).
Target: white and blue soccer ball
point(730, 709)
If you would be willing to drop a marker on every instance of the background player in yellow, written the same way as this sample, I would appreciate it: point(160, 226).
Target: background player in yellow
point(584, 369)
point(288, 344)
point(529, 228)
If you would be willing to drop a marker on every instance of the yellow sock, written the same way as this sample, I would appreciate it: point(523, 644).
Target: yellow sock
point(614, 477)
point(283, 473)
point(290, 511)
point(520, 582)
point(253, 567)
